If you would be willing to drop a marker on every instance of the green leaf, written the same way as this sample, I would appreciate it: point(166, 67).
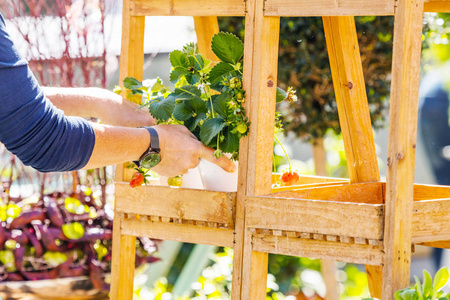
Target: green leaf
point(211, 129)
point(193, 122)
point(177, 72)
point(281, 94)
point(220, 70)
point(187, 92)
point(197, 61)
point(220, 104)
point(418, 287)
point(440, 279)
point(73, 230)
point(132, 83)
point(162, 108)
point(178, 59)
point(228, 47)
point(231, 142)
point(182, 112)
point(427, 284)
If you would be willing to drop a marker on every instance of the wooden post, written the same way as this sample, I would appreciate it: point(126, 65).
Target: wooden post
point(206, 28)
point(354, 117)
point(238, 257)
point(402, 144)
point(131, 64)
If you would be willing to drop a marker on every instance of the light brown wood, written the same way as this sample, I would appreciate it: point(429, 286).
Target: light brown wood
point(402, 144)
point(301, 188)
point(238, 255)
point(437, 6)
point(326, 217)
point(369, 193)
point(429, 192)
point(320, 157)
point(179, 232)
point(439, 244)
point(430, 220)
point(258, 275)
point(262, 117)
point(188, 204)
point(355, 253)
point(188, 7)
point(309, 179)
point(304, 8)
point(206, 28)
point(115, 259)
point(351, 98)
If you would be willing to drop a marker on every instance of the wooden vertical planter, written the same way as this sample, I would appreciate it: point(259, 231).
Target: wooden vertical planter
point(360, 220)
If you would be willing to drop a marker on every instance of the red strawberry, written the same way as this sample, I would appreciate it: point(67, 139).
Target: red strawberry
point(289, 178)
point(137, 180)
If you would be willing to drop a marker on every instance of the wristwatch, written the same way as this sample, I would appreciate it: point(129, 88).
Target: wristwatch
point(151, 157)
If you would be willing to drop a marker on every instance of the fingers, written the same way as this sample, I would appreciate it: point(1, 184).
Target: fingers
point(223, 162)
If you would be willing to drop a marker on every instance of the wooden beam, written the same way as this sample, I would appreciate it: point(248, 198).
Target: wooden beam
point(368, 193)
point(430, 220)
point(187, 204)
point(179, 232)
point(187, 7)
point(354, 253)
point(309, 179)
point(439, 244)
point(306, 8)
point(206, 28)
point(402, 144)
point(325, 217)
point(430, 192)
point(437, 6)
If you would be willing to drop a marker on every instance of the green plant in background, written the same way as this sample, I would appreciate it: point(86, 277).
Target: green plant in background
point(430, 289)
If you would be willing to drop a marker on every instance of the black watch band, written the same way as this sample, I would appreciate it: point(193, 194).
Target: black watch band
point(154, 145)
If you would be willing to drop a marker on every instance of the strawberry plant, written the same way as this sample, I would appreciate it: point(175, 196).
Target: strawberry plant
point(207, 98)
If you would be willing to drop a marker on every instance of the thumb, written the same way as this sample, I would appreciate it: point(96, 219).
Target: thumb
point(223, 161)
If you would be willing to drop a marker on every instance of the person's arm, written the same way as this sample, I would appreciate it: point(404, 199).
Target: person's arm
point(180, 150)
point(105, 105)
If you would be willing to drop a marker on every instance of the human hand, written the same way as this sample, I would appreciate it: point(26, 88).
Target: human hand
point(181, 151)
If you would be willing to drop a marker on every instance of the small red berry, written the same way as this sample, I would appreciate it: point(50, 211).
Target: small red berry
point(137, 180)
point(290, 178)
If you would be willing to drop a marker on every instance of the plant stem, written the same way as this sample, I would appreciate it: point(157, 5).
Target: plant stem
point(208, 93)
point(285, 153)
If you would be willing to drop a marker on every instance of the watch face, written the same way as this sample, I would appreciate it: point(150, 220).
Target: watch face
point(150, 160)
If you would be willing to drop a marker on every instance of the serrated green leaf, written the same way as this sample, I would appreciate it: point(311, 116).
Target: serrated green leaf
point(181, 112)
point(177, 72)
point(220, 104)
point(73, 230)
point(281, 94)
point(231, 142)
point(162, 108)
point(427, 284)
point(211, 129)
point(440, 279)
point(197, 61)
point(193, 79)
point(228, 47)
point(132, 83)
point(192, 123)
point(187, 92)
point(220, 70)
point(178, 59)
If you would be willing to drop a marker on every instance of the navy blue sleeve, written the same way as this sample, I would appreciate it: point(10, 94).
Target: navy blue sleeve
point(31, 127)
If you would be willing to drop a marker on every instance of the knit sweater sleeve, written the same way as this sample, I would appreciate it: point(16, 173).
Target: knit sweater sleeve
point(31, 127)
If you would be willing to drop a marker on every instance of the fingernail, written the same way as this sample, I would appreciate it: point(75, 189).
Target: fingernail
point(233, 168)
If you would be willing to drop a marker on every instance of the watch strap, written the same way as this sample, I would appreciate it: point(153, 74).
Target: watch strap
point(154, 144)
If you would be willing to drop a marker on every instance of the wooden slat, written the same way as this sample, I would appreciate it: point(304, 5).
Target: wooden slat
point(188, 7)
point(188, 204)
point(354, 253)
point(206, 28)
point(309, 179)
point(369, 193)
point(179, 232)
point(301, 187)
point(325, 217)
point(440, 244)
point(263, 100)
point(429, 192)
point(238, 260)
point(437, 6)
point(328, 7)
point(402, 144)
point(430, 220)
